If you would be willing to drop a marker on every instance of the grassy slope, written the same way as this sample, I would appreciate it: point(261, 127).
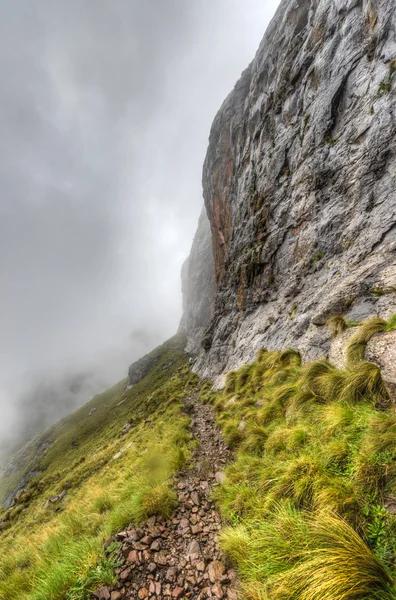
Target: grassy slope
point(315, 463)
point(56, 551)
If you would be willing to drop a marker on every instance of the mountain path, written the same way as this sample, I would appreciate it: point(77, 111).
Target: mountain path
point(179, 557)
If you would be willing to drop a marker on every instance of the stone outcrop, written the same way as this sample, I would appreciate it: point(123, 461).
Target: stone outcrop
point(198, 286)
point(381, 349)
point(299, 185)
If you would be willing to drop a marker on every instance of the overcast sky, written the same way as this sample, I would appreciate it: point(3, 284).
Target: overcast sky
point(105, 111)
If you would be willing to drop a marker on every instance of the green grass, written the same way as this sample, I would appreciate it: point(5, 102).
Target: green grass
point(336, 324)
point(304, 498)
point(56, 551)
point(313, 467)
point(357, 345)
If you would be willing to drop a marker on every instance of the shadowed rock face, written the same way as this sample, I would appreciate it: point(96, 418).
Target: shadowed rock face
point(198, 286)
point(299, 184)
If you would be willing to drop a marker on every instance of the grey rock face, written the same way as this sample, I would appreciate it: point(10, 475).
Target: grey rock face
point(299, 184)
point(381, 349)
point(141, 368)
point(198, 286)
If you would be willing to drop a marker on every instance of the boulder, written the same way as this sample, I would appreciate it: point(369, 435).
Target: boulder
point(381, 350)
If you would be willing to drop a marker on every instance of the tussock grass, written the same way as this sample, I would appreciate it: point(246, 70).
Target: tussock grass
point(391, 325)
point(314, 464)
point(357, 345)
point(336, 324)
point(318, 558)
point(230, 385)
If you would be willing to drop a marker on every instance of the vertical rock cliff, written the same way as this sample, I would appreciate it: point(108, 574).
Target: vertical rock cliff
point(198, 286)
point(299, 184)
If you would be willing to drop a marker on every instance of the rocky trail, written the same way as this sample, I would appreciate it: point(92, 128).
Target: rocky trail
point(179, 557)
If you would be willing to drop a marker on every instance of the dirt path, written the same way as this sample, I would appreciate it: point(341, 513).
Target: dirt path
point(179, 557)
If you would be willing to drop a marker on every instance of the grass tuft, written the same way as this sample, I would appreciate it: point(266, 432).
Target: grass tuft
point(336, 324)
point(357, 346)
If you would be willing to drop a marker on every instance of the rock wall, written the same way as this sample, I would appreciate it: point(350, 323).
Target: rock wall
point(198, 286)
point(299, 184)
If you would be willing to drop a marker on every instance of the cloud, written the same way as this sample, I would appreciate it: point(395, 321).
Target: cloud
point(105, 114)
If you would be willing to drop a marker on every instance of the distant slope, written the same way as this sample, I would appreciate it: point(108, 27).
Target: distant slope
point(90, 475)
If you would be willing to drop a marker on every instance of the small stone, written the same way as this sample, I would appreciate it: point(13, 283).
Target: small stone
point(125, 574)
point(195, 498)
point(143, 593)
point(152, 587)
point(171, 574)
point(156, 545)
point(196, 529)
point(216, 571)
point(151, 567)
point(217, 590)
point(133, 556)
point(220, 477)
point(161, 559)
point(115, 595)
point(200, 566)
point(184, 523)
point(146, 540)
point(126, 429)
point(177, 592)
point(193, 548)
point(158, 588)
point(102, 593)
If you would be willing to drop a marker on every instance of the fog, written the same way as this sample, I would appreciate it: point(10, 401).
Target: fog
point(105, 114)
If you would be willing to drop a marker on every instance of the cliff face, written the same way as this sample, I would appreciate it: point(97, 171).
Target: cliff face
point(299, 185)
point(198, 286)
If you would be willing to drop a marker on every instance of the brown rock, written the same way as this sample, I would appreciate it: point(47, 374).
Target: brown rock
point(196, 529)
point(161, 559)
point(146, 540)
point(152, 587)
point(217, 590)
point(103, 593)
point(184, 523)
point(115, 595)
point(133, 556)
point(151, 567)
point(193, 548)
point(156, 545)
point(143, 593)
point(158, 588)
point(171, 574)
point(177, 592)
point(215, 571)
point(125, 574)
point(200, 566)
point(195, 498)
